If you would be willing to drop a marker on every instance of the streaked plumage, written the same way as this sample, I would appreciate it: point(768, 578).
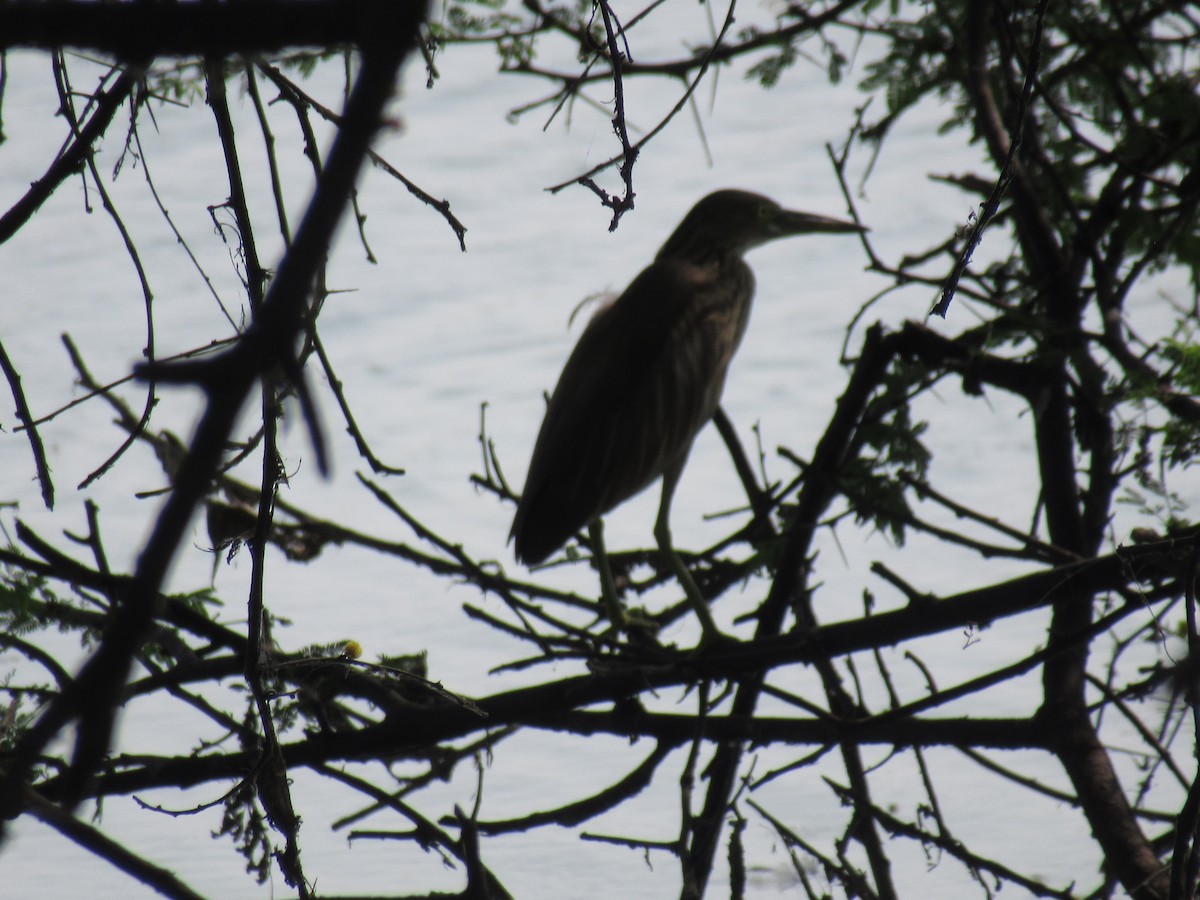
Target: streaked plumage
point(649, 369)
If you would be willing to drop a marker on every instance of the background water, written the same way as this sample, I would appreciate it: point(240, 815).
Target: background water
point(424, 337)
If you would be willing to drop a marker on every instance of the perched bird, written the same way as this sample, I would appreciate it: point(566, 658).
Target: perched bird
point(647, 375)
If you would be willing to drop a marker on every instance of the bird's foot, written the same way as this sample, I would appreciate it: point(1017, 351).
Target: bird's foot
point(713, 639)
point(633, 624)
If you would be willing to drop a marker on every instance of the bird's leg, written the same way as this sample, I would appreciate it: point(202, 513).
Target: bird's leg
point(620, 619)
point(662, 534)
point(608, 586)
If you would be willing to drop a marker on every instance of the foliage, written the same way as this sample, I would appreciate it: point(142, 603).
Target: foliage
point(1089, 120)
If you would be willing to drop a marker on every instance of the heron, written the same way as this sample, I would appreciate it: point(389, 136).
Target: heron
point(645, 376)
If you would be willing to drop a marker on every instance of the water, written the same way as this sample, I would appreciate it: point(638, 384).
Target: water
point(420, 341)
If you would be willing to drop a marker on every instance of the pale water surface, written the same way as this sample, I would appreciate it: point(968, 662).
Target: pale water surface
point(420, 341)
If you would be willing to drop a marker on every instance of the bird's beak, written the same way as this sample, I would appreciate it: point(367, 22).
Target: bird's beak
point(790, 222)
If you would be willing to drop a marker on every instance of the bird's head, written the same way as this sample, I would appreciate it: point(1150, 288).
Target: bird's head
point(730, 222)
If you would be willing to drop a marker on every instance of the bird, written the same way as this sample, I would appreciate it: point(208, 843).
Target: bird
point(645, 377)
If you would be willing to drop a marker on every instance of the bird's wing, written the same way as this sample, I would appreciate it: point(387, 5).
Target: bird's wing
point(644, 378)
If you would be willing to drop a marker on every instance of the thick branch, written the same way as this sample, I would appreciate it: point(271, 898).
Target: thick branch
point(93, 697)
point(133, 31)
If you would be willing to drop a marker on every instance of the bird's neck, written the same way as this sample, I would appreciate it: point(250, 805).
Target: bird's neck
point(681, 248)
